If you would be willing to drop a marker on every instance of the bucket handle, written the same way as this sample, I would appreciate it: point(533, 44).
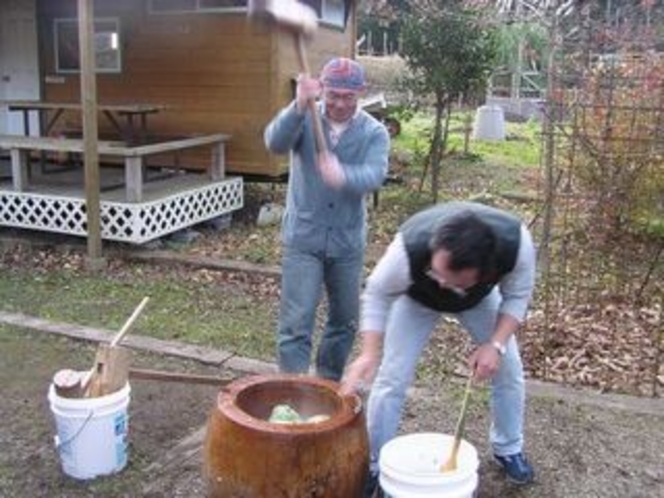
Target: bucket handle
point(59, 443)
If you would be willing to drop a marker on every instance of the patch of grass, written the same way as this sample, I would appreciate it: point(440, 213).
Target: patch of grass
point(488, 170)
point(414, 132)
point(652, 226)
point(201, 308)
point(206, 313)
point(521, 148)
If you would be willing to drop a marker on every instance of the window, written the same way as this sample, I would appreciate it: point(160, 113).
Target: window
point(333, 12)
point(182, 6)
point(172, 6)
point(222, 4)
point(107, 46)
point(316, 5)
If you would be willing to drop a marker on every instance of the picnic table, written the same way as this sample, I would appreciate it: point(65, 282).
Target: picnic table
point(129, 120)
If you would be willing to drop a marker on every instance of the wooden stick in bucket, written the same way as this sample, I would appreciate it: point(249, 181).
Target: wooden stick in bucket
point(111, 369)
point(451, 463)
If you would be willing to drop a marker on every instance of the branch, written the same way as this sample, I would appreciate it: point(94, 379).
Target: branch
point(650, 271)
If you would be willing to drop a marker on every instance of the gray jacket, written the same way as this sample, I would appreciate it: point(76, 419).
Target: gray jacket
point(319, 218)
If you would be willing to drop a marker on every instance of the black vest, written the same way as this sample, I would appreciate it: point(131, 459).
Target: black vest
point(417, 232)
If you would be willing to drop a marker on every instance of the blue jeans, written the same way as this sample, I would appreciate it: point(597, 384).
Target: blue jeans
point(303, 276)
point(409, 326)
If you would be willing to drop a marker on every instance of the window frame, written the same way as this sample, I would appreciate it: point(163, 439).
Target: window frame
point(341, 24)
point(196, 8)
point(73, 65)
point(321, 7)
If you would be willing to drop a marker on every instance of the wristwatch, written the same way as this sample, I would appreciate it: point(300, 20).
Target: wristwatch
point(499, 347)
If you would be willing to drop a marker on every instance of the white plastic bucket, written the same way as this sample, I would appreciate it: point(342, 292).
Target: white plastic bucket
point(489, 123)
point(91, 433)
point(410, 467)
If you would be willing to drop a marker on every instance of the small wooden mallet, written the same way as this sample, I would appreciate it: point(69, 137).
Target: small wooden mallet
point(111, 368)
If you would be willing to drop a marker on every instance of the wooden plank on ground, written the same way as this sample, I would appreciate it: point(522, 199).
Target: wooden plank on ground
point(160, 346)
point(203, 262)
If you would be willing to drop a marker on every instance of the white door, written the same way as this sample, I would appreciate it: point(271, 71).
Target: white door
point(19, 62)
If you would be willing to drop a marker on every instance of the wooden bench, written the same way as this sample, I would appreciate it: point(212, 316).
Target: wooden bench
point(21, 146)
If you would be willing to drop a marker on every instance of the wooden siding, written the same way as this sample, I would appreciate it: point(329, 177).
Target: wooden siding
point(216, 73)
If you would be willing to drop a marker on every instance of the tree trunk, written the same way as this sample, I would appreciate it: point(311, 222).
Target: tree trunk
point(446, 129)
point(437, 146)
point(467, 129)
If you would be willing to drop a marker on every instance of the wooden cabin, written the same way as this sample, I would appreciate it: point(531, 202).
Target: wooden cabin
point(169, 72)
point(202, 60)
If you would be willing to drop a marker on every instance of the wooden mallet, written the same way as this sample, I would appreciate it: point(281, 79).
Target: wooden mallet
point(111, 368)
point(302, 22)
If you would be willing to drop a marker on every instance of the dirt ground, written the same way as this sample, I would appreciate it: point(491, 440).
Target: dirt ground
point(581, 446)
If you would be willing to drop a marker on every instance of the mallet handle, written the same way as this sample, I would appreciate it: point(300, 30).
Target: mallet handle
point(120, 335)
point(187, 378)
point(321, 145)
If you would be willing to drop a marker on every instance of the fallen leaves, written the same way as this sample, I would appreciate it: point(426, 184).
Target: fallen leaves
point(611, 346)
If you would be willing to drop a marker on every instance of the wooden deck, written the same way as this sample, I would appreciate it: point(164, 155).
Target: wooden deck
point(22, 147)
point(68, 180)
point(172, 200)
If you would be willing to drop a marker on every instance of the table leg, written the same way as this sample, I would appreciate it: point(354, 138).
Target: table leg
point(44, 130)
point(26, 122)
point(130, 127)
point(51, 122)
point(126, 135)
point(20, 159)
point(143, 131)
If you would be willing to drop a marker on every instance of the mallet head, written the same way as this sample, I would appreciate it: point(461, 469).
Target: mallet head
point(290, 15)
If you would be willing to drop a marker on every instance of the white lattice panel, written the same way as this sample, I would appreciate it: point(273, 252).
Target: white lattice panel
point(126, 222)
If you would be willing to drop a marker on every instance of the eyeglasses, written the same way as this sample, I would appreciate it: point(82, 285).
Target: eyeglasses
point(344, 98)
point(444, 284)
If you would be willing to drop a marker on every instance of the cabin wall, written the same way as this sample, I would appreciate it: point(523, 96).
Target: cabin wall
point(214, 72)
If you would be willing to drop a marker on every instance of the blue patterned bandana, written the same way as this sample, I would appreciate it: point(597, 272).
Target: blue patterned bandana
point(343, 73)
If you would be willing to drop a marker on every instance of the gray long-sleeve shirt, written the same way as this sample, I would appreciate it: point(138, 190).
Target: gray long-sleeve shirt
point(319, 218)
point(391, 278)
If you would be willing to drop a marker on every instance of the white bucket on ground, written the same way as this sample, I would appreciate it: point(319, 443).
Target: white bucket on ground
point(410, 467)
point(91, 433)
point(489, 123)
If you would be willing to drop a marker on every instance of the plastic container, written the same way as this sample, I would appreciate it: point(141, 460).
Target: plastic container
point(91, 433)
point(489, 123)
point(410, 467)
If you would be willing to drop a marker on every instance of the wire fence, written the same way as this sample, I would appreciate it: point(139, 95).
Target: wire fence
point(602, 228)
